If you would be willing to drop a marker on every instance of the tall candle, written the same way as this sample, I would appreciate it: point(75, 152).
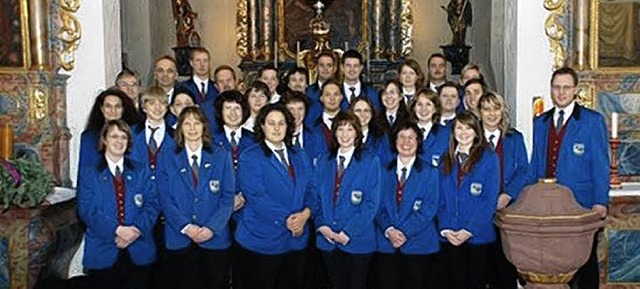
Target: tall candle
point(6, 142)
point(297, 51)
point(614, 125)
point(346, 46)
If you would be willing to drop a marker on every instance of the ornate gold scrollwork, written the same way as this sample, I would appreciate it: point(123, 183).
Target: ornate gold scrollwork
point(406, 28)
point(556, 31)
point(38, 105)
point(587, 95)
point(242, 29)
point(69, 33)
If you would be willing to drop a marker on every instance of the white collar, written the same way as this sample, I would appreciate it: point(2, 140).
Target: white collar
point(496, 133)
point(400, 166)
point(228, 130)
point(568, 110)
point(327, 119)
point(159, 135)
point(190, 153)
point(347, 156)
point(427, 129)
point(112, 165)
point(274, 148)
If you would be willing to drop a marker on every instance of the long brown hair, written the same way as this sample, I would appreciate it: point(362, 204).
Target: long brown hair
point(199, 115)
point(467, 118)
point(415, 66)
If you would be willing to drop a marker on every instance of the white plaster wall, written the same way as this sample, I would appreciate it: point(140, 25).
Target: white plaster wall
point(96, 60)
point(136, 37)
point(533, 65)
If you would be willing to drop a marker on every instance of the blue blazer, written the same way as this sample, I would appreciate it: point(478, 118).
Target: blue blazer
point(436, 144)
point(514, 163)
point(471, 204)
point(139, 150)
point(367, 91)
point(314, 111)
point(209, 111)
point(89, 154)
point(98, 210)
point(357, 204)
point(189, 84)
point(209, 205)
point(312, 144)
point(415, 216)
point(245, 142)
point(272, 196)
point(583, 160)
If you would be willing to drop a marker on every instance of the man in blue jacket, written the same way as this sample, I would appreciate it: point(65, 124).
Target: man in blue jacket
point(570, 144)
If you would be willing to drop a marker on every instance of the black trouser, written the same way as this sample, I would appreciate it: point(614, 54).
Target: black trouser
point(347, 271)
point(281, 271)
point(122, 275)
point(198, 268)
point(588, 276)
point(466, 265)
point(400, 271)
point(503, 275)
point(316, 274)
point(161, 269)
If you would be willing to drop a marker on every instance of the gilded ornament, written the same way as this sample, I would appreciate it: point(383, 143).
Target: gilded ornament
point(406, 28)
point(38, 106)
point(242, 28)
point(69, 33)
point(556, 31)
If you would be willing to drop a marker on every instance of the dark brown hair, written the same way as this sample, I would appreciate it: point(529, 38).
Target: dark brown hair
point(468, 118)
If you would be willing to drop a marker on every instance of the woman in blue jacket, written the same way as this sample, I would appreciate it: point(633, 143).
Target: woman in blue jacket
point(469, 185)
point(373, 136)
point(347, 197)
point(508, 144)
point(425, 108)
point(110, 104)
point(275, 178)
point(196, 185)
point(119, 207)
point(406, 231)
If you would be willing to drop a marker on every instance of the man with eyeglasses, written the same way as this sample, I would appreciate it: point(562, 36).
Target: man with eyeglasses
point(570, 144)
point(129, 83)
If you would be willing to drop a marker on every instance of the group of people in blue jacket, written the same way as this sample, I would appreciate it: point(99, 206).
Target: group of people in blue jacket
point(382, 192)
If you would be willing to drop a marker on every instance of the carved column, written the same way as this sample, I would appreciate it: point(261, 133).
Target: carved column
point(267, 29)
point(581, 34)
point(254, 39)
point(39, 34)
point(378, 33)
point(394, 30)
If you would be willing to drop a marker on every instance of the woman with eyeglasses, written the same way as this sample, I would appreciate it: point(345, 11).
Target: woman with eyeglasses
point(119, 206)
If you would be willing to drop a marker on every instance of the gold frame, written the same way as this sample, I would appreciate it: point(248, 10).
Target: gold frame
point(282, 43)
point(593, 46)
point(556, 31)
point(26, 43)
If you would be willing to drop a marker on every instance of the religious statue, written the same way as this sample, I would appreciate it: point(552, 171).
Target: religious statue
point(459, 17)
point(185, 24)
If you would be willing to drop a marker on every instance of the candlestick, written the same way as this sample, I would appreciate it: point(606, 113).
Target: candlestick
point(614, 178)
point(614, 125)
point(6, 142)
point(275, 54)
